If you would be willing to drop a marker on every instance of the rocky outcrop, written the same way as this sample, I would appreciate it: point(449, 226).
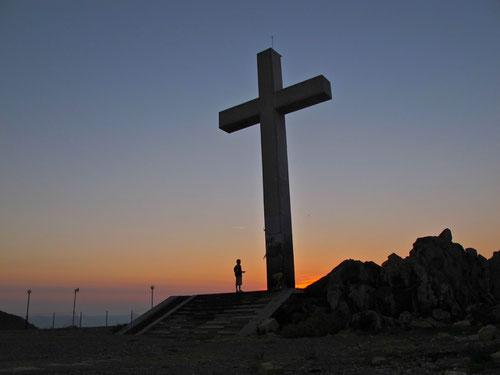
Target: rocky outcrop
point(439, 280)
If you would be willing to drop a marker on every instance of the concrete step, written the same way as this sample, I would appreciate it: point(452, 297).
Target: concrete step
point(210, 314)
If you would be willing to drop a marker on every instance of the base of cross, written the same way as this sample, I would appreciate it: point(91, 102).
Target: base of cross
point(280, 264)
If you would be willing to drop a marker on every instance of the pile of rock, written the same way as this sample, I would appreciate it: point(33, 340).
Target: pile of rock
point(438, 283)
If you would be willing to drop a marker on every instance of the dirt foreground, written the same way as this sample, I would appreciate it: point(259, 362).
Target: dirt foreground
point(98, 351)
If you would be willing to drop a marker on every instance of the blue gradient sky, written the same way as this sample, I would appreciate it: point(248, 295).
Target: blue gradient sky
point(114, 174)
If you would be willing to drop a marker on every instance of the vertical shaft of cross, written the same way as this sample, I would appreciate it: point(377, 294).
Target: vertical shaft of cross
point(277, 212)
point(269, 109)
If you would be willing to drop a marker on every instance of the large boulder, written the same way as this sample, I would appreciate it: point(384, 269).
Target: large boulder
point(351, 285)
point(494, 268)
point(403, 286)
point(487, 333)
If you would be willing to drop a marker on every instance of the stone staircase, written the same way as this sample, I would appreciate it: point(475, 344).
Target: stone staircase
point(226, 314)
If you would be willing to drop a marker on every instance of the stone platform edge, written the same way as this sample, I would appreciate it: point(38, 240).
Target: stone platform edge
point(149, 319)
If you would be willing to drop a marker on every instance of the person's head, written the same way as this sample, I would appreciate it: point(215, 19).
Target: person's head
point(238, 261)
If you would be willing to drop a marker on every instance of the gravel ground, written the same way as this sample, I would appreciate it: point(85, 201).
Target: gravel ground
point(98, 351)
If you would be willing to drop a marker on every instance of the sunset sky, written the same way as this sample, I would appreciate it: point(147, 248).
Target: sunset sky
point(114, 175)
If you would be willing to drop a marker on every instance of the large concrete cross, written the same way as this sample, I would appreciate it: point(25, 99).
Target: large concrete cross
point(270, 108)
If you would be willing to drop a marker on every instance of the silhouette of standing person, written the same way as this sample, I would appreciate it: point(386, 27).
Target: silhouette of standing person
point(238, 273)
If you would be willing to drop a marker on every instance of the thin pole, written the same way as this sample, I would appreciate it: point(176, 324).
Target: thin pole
point(80, 319)
point(27, 308)
point(74, 305)
point(53, 319)
point(106, 318)
point(152, 288)
point(131, 315)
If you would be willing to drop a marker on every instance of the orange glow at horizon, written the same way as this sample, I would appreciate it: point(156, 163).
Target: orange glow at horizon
point(118, 278)
point(192, 266)
point(301, 284)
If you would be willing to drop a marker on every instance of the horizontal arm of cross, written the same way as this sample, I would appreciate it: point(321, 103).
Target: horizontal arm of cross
point(302, 95)
point(290, 99)
point(240, 116)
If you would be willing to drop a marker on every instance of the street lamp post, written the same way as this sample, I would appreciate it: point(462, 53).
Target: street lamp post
point(27, 308)
point(77, 290)
point(152, 288)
